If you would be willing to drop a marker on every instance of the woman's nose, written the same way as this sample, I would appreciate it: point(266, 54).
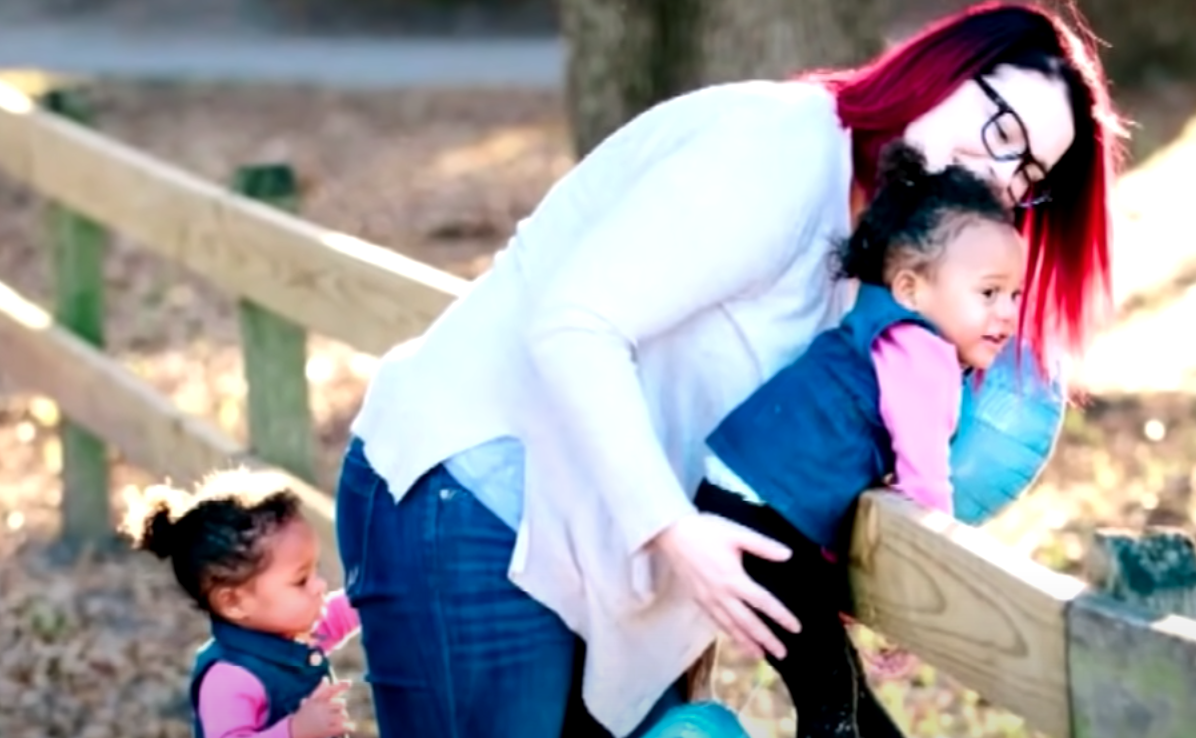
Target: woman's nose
point(1011, 186)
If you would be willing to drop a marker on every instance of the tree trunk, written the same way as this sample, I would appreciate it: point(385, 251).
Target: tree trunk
point(776, 38)
point(627, 55)
point(609, 78)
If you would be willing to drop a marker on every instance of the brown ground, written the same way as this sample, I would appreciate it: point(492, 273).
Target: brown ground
point(101, 647)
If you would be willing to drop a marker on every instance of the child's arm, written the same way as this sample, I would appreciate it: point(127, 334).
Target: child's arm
point(920, 392)
point(233, 704)
point(338, 623)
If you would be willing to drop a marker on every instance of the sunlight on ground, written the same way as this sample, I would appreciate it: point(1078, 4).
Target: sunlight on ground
point(34, 82)
point(502, 148)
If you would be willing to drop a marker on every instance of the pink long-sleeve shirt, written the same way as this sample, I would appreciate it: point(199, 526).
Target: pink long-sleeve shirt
point(232, 702)
point(920, 392)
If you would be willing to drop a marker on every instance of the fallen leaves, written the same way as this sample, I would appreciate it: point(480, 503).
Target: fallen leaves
point(92, 649)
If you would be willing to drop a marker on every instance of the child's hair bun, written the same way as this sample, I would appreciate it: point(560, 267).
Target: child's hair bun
point(152, 519)
point(906, 210)
point(158, 536)
point(902, 164)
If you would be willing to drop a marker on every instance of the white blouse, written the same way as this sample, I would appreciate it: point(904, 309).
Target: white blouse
point(658, 283)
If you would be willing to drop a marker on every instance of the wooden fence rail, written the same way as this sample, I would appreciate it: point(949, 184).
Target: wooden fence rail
point(1074, 662)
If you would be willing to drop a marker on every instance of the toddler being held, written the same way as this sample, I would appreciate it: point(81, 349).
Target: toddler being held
point(939, 264)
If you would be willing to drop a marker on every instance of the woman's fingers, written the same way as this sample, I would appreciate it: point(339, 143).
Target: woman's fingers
point(707, 553)
point(765, 602)
point(728, 625)
point(758, 544)
point(753, 627)
point(747, 590)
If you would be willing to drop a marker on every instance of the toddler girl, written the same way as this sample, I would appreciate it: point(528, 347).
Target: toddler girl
point(241, 549)
point(940, 266)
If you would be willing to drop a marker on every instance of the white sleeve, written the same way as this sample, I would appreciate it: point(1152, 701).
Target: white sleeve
point(725, 213)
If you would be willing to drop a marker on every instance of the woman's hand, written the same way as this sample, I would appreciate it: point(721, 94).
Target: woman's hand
point(706, 552)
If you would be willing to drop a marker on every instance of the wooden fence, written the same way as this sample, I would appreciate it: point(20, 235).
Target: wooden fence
point(1074, 661)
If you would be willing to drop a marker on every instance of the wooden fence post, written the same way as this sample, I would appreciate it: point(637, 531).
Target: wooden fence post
point(1155, 570)
point(76, 251)
point(275, 351)
point(1130, 671)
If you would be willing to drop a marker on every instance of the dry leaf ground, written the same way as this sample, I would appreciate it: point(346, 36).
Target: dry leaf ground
point(101, 647)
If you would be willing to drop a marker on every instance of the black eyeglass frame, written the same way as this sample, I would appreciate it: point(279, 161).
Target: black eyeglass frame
point(1036, 193)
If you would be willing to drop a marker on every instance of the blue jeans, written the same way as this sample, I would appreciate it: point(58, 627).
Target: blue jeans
point(453, 648)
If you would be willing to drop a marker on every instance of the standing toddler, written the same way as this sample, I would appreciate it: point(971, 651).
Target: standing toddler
point(242, 550)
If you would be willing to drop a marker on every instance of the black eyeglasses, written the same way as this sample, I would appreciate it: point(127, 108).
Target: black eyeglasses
point(1004, 147)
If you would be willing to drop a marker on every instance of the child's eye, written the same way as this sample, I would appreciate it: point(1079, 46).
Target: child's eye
point(989, 292)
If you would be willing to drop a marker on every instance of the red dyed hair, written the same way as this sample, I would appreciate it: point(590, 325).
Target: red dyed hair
point(1068, 287)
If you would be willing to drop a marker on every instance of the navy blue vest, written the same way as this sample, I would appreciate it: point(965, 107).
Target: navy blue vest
point(289, 670)
point(810, 440)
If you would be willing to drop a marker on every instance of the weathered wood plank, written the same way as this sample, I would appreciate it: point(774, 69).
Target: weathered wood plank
point(76, 248)
point(104, 397)
point(330, 282)
point(109, 400)
point(274, 350)
point(1133, 674)
point(965, 604)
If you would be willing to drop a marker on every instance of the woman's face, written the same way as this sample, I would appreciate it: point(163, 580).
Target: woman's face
point(1010, 127)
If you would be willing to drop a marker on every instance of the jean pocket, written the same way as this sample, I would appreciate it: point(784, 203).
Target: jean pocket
point(357, 492)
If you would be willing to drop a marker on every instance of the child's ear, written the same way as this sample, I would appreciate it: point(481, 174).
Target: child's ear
point(228, 603)
point(904, 286)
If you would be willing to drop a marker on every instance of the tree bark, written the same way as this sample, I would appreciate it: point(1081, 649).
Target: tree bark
point(627, 55)
point(609, 76)
point(777, 38)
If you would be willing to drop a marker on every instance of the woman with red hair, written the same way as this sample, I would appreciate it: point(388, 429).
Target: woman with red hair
point(515, 511)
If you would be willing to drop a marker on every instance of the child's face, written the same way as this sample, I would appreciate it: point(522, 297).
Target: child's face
point(287, 597)
point(973, 292)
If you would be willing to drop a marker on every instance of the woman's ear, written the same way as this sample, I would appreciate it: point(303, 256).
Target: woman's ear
point(906, 286)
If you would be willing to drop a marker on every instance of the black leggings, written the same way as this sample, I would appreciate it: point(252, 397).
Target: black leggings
point(821, 668)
